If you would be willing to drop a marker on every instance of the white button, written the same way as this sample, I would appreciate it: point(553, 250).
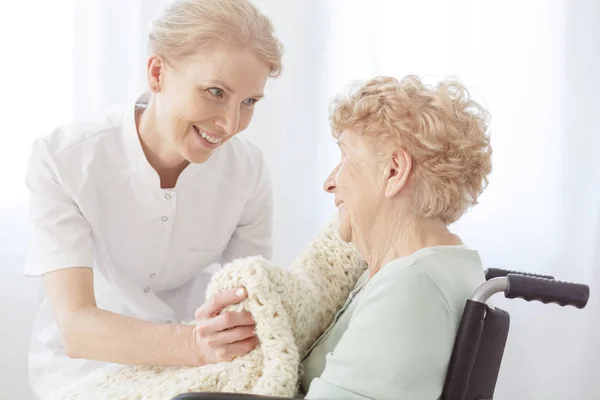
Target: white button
point(165, 219)
point(146, 290)
point(167, 196)
point(152, 275)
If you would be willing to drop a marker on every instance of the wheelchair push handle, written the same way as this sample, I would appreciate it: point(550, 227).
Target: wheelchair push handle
point(547, 291)
point(492, 273)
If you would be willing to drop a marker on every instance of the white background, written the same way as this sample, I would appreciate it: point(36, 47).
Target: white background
point(534, 64)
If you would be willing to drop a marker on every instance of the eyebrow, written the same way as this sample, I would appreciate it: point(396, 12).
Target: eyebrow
point(224, 85)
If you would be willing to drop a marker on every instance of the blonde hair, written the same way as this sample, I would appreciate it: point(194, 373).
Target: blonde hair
point(442, 128)
point(186, 27)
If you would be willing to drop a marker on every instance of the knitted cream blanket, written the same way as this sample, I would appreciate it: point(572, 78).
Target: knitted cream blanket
point(292, 307)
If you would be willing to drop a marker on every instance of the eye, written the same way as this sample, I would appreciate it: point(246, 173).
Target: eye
point(216, 92)
point(250, 102)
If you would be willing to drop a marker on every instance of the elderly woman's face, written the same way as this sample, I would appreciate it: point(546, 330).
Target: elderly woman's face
point(354, 182)
point(206, 99)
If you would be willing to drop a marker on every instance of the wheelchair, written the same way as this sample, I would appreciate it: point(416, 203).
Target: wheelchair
point(481, 338)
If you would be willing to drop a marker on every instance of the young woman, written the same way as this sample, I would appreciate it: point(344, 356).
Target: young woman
point(130, 209)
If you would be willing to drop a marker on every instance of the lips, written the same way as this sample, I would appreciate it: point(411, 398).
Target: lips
point(209, 137)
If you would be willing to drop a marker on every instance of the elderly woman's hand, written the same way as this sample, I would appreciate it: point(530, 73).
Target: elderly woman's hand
point(220, 336)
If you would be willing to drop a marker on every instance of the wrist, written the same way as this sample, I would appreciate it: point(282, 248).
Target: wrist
point(191, 353)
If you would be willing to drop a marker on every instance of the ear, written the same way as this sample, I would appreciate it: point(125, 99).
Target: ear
point(398, 172)
point(155, 68)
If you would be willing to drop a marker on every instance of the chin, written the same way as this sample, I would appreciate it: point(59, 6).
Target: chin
point(345, 231)
point(199, 158)
point(195, 155)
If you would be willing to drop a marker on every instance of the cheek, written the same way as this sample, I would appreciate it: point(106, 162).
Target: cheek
point(186, 103)
point(196, 110)
point(175, 112)
point(346, 185)
point(356, 188)
point(347, 178)
point(245, 118)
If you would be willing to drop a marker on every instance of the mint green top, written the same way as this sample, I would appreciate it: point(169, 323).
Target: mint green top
point(394, 336)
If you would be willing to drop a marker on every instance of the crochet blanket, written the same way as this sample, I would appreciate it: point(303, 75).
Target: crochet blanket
point(292, 307)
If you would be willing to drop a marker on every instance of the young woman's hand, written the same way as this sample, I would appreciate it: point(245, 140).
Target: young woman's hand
point(222, 337)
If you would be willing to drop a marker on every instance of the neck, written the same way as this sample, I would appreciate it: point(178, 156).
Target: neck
point(400, 235)
point(160, 153)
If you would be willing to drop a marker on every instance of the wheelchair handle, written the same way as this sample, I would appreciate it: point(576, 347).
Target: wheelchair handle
point(547, 291)
point(492, 273)
point(534, 289)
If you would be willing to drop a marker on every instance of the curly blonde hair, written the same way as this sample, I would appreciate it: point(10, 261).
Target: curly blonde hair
point(442, 128)
point(188, 26)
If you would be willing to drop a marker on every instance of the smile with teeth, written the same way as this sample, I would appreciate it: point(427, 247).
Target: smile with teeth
point(211, 139)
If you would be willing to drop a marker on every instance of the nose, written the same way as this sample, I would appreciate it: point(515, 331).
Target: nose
point(329, 185)
point(230, 120)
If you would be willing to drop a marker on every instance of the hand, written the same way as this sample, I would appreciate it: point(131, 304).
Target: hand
point(222, 337)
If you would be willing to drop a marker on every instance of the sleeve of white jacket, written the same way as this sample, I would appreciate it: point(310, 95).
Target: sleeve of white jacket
point(253, 234)
point(61, 237)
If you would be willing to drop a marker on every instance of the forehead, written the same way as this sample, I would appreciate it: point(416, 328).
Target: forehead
point(356, 145)
point(348, 138)
point(239, 69)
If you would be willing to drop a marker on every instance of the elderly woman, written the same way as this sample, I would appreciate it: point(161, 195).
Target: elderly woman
point(413, 159)
point(129, 209)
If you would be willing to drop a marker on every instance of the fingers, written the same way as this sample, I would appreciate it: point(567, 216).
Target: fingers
point(221, 300)
point(225, 345)
point(227, 298)
point(230, 336)
point(202, 312)
point(239, 348)
point(229, 320)
point(225, 321)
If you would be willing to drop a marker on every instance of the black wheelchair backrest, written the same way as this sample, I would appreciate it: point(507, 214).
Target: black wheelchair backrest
point(479, 345)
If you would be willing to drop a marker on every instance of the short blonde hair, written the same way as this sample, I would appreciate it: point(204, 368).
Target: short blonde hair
point(442, 128)
point(186, 27)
